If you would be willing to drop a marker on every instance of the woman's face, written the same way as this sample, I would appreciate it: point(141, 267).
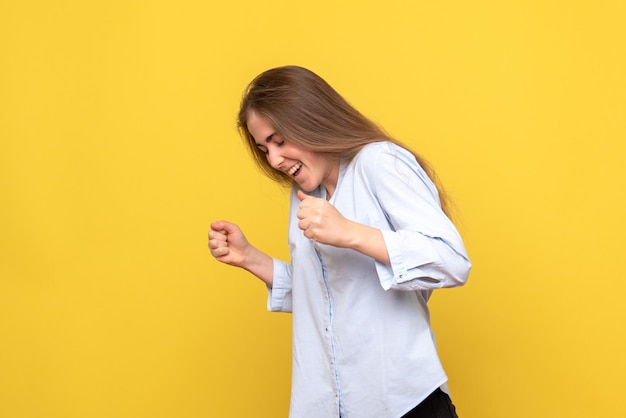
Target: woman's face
point(307, 168)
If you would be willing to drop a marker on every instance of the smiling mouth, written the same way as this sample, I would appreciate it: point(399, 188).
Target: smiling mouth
point(293, 170)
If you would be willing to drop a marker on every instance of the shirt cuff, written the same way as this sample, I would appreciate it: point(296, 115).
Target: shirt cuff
point(279, 295)
point(403, 248)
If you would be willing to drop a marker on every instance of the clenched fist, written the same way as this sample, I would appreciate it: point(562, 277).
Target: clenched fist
point(322, 222)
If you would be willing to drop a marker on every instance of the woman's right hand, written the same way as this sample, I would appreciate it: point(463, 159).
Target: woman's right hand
point(228, 244)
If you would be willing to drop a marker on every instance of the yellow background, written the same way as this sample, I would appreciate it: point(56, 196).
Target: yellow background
point(118, 148)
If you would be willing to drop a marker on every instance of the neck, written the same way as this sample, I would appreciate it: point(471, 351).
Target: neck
point(330, 183)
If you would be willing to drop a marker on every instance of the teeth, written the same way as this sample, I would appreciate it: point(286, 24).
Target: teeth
point(295, 168)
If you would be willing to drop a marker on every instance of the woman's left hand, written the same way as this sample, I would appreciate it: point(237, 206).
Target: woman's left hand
point(322, 222)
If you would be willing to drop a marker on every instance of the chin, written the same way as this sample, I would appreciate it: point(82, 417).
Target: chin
point(307, 189)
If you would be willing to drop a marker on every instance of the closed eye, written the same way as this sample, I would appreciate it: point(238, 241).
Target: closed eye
point(272, 138)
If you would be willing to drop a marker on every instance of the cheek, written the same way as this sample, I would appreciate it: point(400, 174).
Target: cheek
point(291, 151)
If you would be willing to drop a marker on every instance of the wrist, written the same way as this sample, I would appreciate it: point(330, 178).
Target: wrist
point(369, 241)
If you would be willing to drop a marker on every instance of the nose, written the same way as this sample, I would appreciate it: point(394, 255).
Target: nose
point(274, 158)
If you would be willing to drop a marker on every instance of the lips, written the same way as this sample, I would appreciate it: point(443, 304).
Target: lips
point(293, 170)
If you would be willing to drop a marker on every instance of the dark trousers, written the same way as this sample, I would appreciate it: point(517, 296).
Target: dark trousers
point(437, 405)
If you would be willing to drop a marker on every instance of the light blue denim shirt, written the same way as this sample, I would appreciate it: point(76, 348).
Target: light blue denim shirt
point(362, 342)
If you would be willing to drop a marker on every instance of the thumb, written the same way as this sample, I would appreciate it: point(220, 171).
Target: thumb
point(223, 226)
point(302, 195)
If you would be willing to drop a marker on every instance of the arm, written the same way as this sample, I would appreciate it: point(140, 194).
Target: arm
point(425, 249)
point(322, 222)
point(228, 245)
point(415, 245)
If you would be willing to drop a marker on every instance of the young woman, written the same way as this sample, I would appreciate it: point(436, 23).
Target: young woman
point(369, 239)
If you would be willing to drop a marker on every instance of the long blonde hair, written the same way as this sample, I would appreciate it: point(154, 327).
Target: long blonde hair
point(310, 114)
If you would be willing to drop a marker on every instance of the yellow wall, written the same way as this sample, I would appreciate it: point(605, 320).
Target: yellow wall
point(118, 147)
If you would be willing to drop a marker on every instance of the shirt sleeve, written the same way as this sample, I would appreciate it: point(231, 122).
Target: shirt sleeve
point(425, 249)
point(279, 295)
